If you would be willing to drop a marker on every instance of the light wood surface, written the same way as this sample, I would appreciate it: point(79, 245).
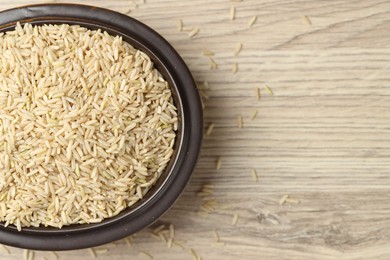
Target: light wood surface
point(322, 138)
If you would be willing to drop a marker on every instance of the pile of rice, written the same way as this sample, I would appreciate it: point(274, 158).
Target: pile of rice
point(87, 125)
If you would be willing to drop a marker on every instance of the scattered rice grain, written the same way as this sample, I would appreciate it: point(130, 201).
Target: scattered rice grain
point(148, 255)
point(254, 114)
point(269, 90)
point(194, 32)
point(53, 254)
point(232, 13)
point(306, 20)
point(127, 241)
point(207, 53)
point(210, 129)
point(254, 175)
point(218, 163)
point(258, 93)
point(292, 201)
point(234, 68)
point(282, 201)
point(195, 256)
point(180, 25)
point(92, 252)
point(171, 231)
point(216, 235)
point(235, 219)
point(213, 64)
point(238, 49)
point(26, 254)
point(252, 21)
point(101, 251)
point(239, 121)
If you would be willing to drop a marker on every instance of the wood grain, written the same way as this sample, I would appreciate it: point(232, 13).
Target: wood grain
point(322, 138)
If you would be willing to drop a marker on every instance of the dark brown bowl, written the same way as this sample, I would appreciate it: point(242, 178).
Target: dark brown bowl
point(189, 137)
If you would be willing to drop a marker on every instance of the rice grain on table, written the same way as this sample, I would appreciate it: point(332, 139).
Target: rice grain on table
point(232, 14)
point(254, 114)
point(254, 175)
point(306, 20)
point(234, 68)
point(146, 254)
point(235, 219)
point(193, 32)
point(53, 254)
point(84, 105)
point(210, 129)
point(238, 49)
point(258, 93)
point(180, 25)
point(195, 256)
point(252, 21)
point(218, 163)
point(213, 64)
point(269, 90)
point(92, 252)
point(239, 121)
point(282, 200)
point(207, 53)
point(216, 235)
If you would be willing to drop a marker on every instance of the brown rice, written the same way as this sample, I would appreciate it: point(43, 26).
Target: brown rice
point(87, 125)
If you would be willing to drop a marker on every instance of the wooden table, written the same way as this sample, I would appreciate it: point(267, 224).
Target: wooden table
point(322, 137)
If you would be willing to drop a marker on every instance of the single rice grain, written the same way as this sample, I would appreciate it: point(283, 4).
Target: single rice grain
point(254, 175)
point(252, 21)
point(210, 129)
point(269, 90)
point(234, 68)
point(218, 163)
point(180, 25)
point(193, 32)
point(254, 114)
point(306, 20)
point(146, 254)
point(235, 219)
point(238, 49)
point(282, 201)
point(232, 13)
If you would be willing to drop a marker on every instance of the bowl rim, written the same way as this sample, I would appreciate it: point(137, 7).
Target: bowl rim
point(163, 54)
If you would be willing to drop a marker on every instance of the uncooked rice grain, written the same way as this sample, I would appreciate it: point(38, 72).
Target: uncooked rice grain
point(193, 32)
point(283, 199)
point(148, 255)
point(254, 114)
point(180, 25)
point(218, 163)
point(232, 13)
point(207, 53)
point(306, 20)
point(210, 129)
point(213, 63)
point(234, 68)
point(269, 90)
point(239, 121)
point(238, 49)
point(252, 21)
point(87, 125)
point(254, 175)
point(235, 219)
point(92, 252)
point(258, 93)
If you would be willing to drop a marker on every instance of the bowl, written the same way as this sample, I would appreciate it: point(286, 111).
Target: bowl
point(187, 145)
